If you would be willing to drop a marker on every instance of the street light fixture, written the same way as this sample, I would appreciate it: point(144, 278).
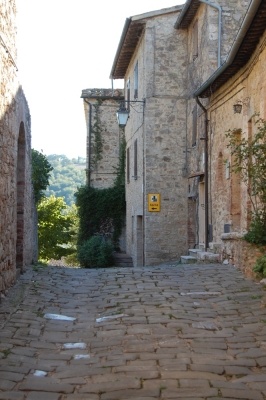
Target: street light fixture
point(122, 113)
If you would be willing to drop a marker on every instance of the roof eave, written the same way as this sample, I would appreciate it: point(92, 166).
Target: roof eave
point(132, 31)
point(120, 45)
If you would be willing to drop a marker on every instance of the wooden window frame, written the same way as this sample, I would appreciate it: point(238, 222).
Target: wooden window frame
point(136, 80)
point(136, 159)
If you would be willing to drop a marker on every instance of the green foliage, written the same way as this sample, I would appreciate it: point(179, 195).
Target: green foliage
point(55, 228)
point(66, 177)
point(260, 266)
point(96, 252)
point(249, 157)
point(41, 169)
point(97, 133)
point(101, 211)
point(257, 230)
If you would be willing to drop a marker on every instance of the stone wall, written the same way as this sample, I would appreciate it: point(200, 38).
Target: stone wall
point(18, 230)
point(240, 253)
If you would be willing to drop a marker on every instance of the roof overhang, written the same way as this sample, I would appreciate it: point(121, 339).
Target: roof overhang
point(131, 34)
point(128, 42)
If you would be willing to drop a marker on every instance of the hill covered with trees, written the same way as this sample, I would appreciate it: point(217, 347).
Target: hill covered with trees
point(67, 175)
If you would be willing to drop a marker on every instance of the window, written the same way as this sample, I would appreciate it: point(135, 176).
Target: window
point(194, 126)
point(195, 40)
point(136, 80)
point(236, 192)
point(136, 159)
point(128, 165)
point(128, 92)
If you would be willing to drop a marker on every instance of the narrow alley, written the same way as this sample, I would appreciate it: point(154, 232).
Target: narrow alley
point(165, 332)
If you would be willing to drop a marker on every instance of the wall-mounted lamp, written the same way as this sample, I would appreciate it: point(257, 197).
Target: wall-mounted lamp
point(122, 113)
point(237, 108)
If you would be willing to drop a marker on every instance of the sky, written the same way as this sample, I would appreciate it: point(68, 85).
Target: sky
point(65, 46)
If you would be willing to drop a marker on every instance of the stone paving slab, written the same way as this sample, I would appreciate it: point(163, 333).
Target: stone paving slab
point(191, 332)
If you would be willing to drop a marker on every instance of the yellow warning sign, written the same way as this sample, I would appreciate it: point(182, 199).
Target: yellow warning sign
point(154, 202)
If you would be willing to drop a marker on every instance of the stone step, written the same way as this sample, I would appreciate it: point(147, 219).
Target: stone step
point(200, 256)
point(123, 260)
point(193, 252)
point(208, 257)
point(188, 260)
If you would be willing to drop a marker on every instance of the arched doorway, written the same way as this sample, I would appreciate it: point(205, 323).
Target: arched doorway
point(20, 197)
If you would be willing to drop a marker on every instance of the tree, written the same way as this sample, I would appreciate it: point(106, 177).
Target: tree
point(41, 169)
point(55, 228)
point(66, 177)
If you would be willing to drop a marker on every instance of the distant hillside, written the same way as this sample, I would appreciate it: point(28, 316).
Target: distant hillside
point(66, 177)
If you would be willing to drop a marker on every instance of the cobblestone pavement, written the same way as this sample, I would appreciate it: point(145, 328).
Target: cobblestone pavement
point(167, 332)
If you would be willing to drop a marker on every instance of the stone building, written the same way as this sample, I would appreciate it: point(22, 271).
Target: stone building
point(180, 193)
point(210, 30)
point(232, 95)
point(103, 135)
point(18, 243)
point(104, 140)
point(151, 58)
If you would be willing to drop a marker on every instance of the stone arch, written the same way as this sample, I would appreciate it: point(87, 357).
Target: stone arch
point(21, 161)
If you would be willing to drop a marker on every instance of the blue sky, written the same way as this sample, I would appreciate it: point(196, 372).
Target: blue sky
point(62, 50)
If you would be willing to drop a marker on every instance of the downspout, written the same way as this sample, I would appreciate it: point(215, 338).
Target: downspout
point(206, 154)
point(89, 143)
point(206, 174)
point(219, 27)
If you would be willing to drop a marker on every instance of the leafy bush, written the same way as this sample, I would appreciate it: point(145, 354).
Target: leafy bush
point(95, 252)
point(260, 266)
point(257, 230)
point(98, 206)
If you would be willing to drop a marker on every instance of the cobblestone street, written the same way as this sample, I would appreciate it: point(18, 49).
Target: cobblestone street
point(166, 332)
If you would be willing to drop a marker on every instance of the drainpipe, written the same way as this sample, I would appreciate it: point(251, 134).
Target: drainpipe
point(206, 174)
point(206, 155)
point(89, 143)
point(219, 27)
